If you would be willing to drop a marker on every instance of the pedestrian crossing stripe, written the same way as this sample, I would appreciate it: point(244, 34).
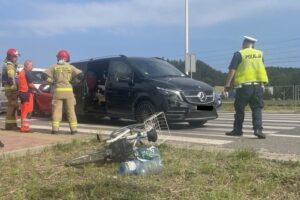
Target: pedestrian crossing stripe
point(197, 140)
point(264, 120)
point(264, 114)
point(273, 124)
point(230, 129)
point(250, 126)
point(170, 138)
point(175, 135)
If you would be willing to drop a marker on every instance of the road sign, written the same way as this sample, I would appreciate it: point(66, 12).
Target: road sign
point(190, 63)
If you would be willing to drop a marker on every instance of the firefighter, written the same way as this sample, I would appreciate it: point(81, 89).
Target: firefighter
point(10, 87)
point(61, 75)
point(26, 89)
point(249, 73)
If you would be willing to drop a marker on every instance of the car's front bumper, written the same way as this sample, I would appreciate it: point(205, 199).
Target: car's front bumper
point(188, 112)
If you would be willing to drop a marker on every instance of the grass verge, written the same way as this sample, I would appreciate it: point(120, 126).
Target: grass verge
point(269, 106)
point(189, 174)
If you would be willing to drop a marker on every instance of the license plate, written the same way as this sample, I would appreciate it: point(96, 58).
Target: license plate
point(209, 108)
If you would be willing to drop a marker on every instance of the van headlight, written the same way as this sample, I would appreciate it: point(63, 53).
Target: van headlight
point(217, 99)
point(173, 94)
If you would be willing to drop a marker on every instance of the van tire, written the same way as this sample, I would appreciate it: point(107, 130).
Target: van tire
point(143, 110)
point(197, 123)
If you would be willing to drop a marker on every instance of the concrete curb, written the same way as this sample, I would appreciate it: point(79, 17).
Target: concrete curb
point(38, 149)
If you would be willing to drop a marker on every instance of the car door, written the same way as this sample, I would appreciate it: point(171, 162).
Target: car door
point(119, 88)
point(43, 99)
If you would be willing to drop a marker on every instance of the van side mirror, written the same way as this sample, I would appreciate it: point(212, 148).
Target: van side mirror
point(46, 88)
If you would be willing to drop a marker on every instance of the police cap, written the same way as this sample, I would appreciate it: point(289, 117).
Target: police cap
point(250, 39)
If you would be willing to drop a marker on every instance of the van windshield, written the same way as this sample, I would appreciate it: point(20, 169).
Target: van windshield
point(153, 67)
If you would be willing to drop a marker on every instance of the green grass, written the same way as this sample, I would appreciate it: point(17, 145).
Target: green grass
point(188, 174)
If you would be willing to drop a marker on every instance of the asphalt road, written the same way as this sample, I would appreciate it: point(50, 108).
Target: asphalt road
point(283, 133)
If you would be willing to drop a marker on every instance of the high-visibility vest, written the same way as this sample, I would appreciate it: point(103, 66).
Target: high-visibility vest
point(23, 84)
point(251, 69)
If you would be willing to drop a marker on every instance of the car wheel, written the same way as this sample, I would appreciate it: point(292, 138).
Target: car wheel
point(197, 123)
point(143, 110)
point(36, 111)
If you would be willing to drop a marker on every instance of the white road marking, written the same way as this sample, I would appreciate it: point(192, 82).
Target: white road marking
point(230, 129)
point(273, 123)
point(285, 136)
point(244, 135)
point(215, 134)
point(80, 130)
point(177, 138)
point(264, 113)
point(250, 126)
point(265, 120)
point(198, 140)
point(172, 138)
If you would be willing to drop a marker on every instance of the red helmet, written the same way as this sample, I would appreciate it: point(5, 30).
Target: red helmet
point(11, 53)
point(63, 55)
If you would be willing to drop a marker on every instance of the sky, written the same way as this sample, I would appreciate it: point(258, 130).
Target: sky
point(87, 29)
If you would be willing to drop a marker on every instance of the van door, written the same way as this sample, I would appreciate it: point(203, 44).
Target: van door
point(96, 76)
point(119, 88)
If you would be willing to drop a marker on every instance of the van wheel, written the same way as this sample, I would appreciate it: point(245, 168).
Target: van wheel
point(197, 123)
point(143, 110)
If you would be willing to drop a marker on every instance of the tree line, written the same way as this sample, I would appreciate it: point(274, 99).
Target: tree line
point(278, 76)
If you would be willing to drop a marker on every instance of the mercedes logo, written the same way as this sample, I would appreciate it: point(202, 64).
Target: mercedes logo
point(202, 97)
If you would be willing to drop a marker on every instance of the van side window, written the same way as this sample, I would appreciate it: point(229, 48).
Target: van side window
point(120, 71)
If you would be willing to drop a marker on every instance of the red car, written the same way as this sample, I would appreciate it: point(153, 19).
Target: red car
point(43, 101)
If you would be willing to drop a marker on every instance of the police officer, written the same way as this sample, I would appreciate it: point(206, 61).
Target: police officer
point(26, 89)
point(249, 73)
point(61, 74)
point(10, 87)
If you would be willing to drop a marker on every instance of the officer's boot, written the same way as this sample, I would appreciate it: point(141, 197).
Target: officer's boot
point(234, 132)
point(237, 126)
point(259, 134)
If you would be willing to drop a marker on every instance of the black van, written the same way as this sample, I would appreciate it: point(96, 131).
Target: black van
point(135, 87)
